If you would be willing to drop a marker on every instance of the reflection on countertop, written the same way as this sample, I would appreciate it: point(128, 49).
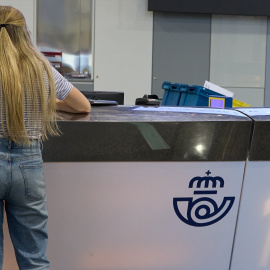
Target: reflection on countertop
point(65, 116)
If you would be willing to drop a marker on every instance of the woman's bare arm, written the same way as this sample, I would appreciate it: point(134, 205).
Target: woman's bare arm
point(75, 102)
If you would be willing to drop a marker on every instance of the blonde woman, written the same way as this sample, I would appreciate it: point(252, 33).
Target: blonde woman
point(30, 93)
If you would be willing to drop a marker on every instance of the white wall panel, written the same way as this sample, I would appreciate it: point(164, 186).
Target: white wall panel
point(123, 47)
point(28, 8)
point(251, 96)
point(238, 51)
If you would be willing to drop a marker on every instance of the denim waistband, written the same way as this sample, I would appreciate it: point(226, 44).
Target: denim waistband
point(34, 144)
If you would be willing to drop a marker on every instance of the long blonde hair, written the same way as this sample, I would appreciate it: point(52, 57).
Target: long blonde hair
point(24, 96)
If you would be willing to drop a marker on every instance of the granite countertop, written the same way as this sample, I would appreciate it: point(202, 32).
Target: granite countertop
point(260, 144)
point(136, 133)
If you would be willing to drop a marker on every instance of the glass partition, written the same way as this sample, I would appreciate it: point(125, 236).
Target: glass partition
point(65, 35)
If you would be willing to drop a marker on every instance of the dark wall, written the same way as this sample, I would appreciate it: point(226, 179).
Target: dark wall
point(229, 7)
point(181, 49)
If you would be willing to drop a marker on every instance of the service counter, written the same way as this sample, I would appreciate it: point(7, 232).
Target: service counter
point(148, 188)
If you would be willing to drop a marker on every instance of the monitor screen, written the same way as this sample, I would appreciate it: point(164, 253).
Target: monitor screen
point(226, 7)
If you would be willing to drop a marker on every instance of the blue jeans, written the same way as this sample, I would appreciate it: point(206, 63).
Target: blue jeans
point(22, 193)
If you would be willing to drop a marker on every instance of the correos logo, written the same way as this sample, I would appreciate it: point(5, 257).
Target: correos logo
point(203, 210)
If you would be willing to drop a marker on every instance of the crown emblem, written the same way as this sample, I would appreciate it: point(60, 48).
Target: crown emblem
point(207, 182)
point(203, 211)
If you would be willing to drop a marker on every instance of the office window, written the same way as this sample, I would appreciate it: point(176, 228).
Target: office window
point(65, 36)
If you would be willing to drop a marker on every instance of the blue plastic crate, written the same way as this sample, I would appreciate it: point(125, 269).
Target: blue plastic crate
point(184, 95)
point(173, 93)
point(198, 96)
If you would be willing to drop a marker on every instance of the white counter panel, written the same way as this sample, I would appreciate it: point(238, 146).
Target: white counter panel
point(252, 244)
point(120, 215)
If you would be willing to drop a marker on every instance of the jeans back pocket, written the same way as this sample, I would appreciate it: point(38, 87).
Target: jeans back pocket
point(35, 188)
